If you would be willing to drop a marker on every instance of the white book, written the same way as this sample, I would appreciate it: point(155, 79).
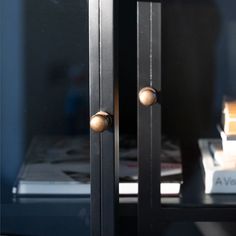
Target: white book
point(220, 156)
point(229, 116)
point(218, 178)
point(60, 165)
point(228, 142)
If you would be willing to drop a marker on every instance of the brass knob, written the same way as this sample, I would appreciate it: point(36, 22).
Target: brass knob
point(100, 122)
point(148, 96)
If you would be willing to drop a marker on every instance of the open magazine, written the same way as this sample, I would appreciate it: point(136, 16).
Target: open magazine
point(60, 165)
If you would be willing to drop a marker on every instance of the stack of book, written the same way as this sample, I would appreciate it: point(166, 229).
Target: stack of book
point(218, 178)
point(219, 155)
point(228, 132)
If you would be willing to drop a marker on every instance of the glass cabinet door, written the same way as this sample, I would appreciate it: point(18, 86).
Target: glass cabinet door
point(186, 111)
point(56, 73)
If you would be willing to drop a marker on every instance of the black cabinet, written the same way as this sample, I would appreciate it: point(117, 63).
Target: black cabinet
point(137, 72)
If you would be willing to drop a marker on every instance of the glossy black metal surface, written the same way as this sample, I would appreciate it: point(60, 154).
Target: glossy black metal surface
point(109, 142)
point(104, 148)
point(149, 133)
point(94, 81)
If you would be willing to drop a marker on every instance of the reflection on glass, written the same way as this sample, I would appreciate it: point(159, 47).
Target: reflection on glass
point(128, 98)
point(198, 75)
point(56, 110)
point(47, 104)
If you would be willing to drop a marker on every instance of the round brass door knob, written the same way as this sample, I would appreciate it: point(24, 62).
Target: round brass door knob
point(100, 122)
point(148, 96)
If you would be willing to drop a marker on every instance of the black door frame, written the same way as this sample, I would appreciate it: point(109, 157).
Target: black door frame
point(149, 118)
point(103, 97)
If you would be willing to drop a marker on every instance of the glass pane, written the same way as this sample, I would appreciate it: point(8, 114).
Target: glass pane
point(128, 98)
point(199, 91)
point(45, 110)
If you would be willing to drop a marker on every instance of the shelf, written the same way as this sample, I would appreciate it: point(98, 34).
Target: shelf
point(191, 205)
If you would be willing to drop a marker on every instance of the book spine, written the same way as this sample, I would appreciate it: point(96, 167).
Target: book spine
point(220, 182)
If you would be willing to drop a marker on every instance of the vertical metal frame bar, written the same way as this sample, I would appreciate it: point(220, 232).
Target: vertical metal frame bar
point(149, 118)
point(144, 119)
point(94, 96)
point(109, 142)
point(103, 97)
